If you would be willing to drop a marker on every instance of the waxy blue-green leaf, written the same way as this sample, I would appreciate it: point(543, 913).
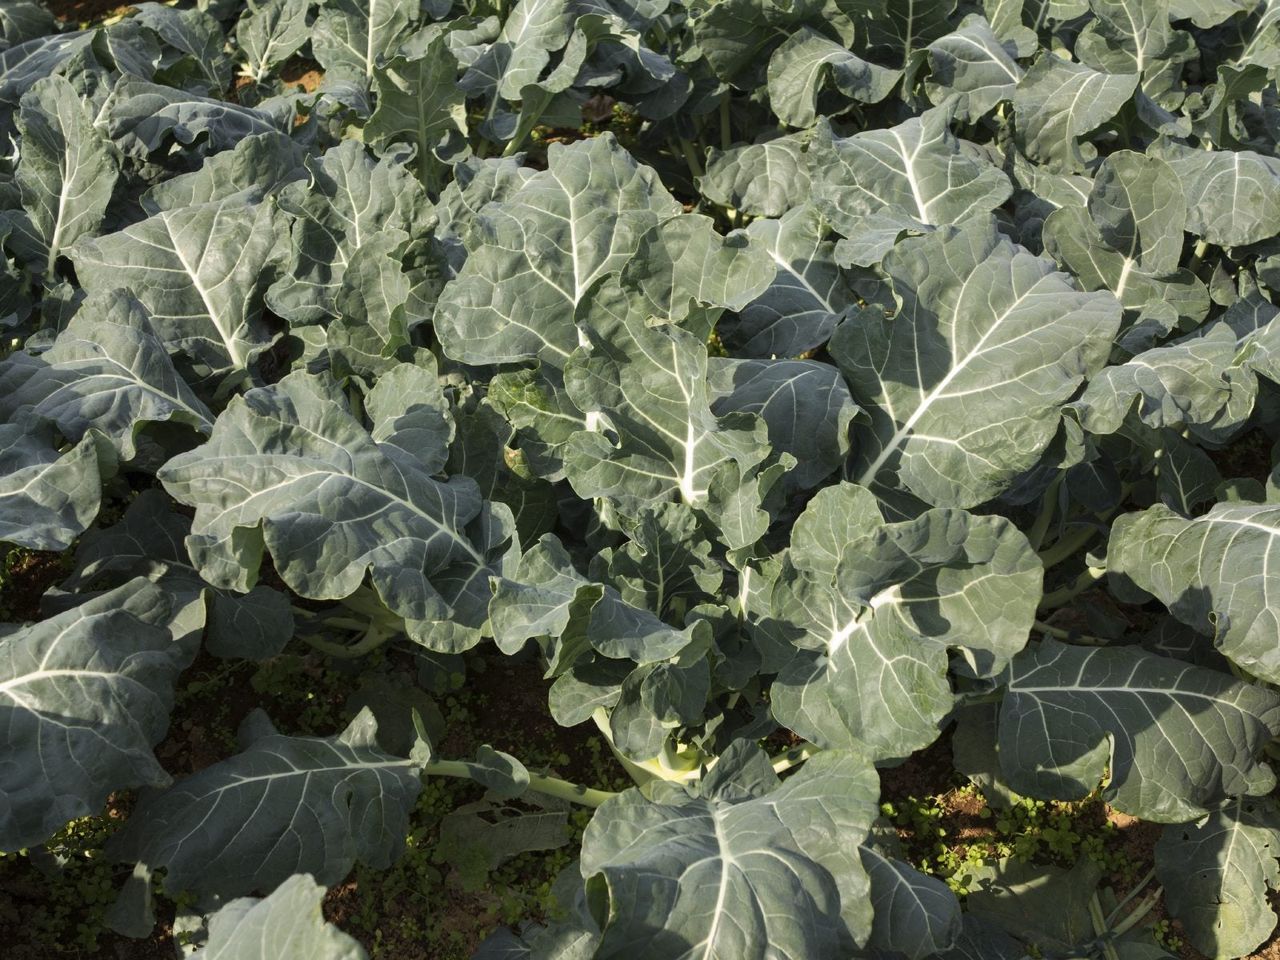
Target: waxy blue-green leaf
point(899, 28)
point(544, 247)
point(807, 296)
point(1184, 384)
point(973, 64)
point(804, 403)
point(1138, 206)
point(872, 663)
point(1159, 304)
point(25, 63)
point(371, 331)
point(734, 35)
point(807, 64)
point(47, 497)
point(1126, 36)
point(350, 37)
point(66, 175)
point(964, 386)
point(201, 65)
point(289, 468)
point(420, 103)
point(1057, 102)
point(349, 199)
point(667, 564)
point(269, 34)
point(287, 923)
point(1174, 739)
point(1233, 197)
point(687, 876)
point(1217, 874)
point(650, 386)
point(530, 34)
point(834, 517)
point(107, 371)
point(284, 805)
point(760, 179)
point(916, 169)
point(1213, 572)
point(84, 697)
point(915, 914)
point(255, 167)
point(150, 541)
point(683, 263)
point(143, 117)
point(546, 597)
point(200, 271)
point(23, 20)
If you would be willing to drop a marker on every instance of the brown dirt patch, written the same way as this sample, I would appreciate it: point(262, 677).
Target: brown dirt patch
point(86, 11)
point(27, 575)
point(303, 72)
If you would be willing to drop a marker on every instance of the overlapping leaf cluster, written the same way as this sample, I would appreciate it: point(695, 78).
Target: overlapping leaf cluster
point(768, 367)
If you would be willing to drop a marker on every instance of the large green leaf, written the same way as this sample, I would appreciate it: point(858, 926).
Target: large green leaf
point(1218, 872)
point(150, 541)
point(144, 117)
point(284, 805)
point(807, 63)
point(420, 103)
point(777, 875)
point(282, 926)
point(1192, 384)
point(807, 296)
point(916, 170)
point(805, 406)
point(547, 598)
point(1233, 197)
point(1213, 572)
point(1138, 206)
point(349, 200)
point(289, 468)
point(66, 176)
point(915, 914)
point(47, 496)
point(107, 371)
point(84, 697)
point(972, 63)
point(543, 248)
point(270, 33)
point(349, 37)
point(964, 386)
point(1057, 102)
point(1172, 738)
point(873, 659)
point(760, 179)
point(650, 383)
point(200, 271)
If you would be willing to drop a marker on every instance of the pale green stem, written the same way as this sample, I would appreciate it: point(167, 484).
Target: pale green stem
point(367, 644)
point(551, 786)
point(1068, 593)
point(1136, 889)
point(1139, 913)
point(1197, 255)
point(1070, 637)
point(794, 757)
point(1100, 928)
point(691, 158)
point(1041, 525)
point(1067, 547)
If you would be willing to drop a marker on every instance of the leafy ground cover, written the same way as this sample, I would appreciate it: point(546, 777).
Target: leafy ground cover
point(571, 479)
